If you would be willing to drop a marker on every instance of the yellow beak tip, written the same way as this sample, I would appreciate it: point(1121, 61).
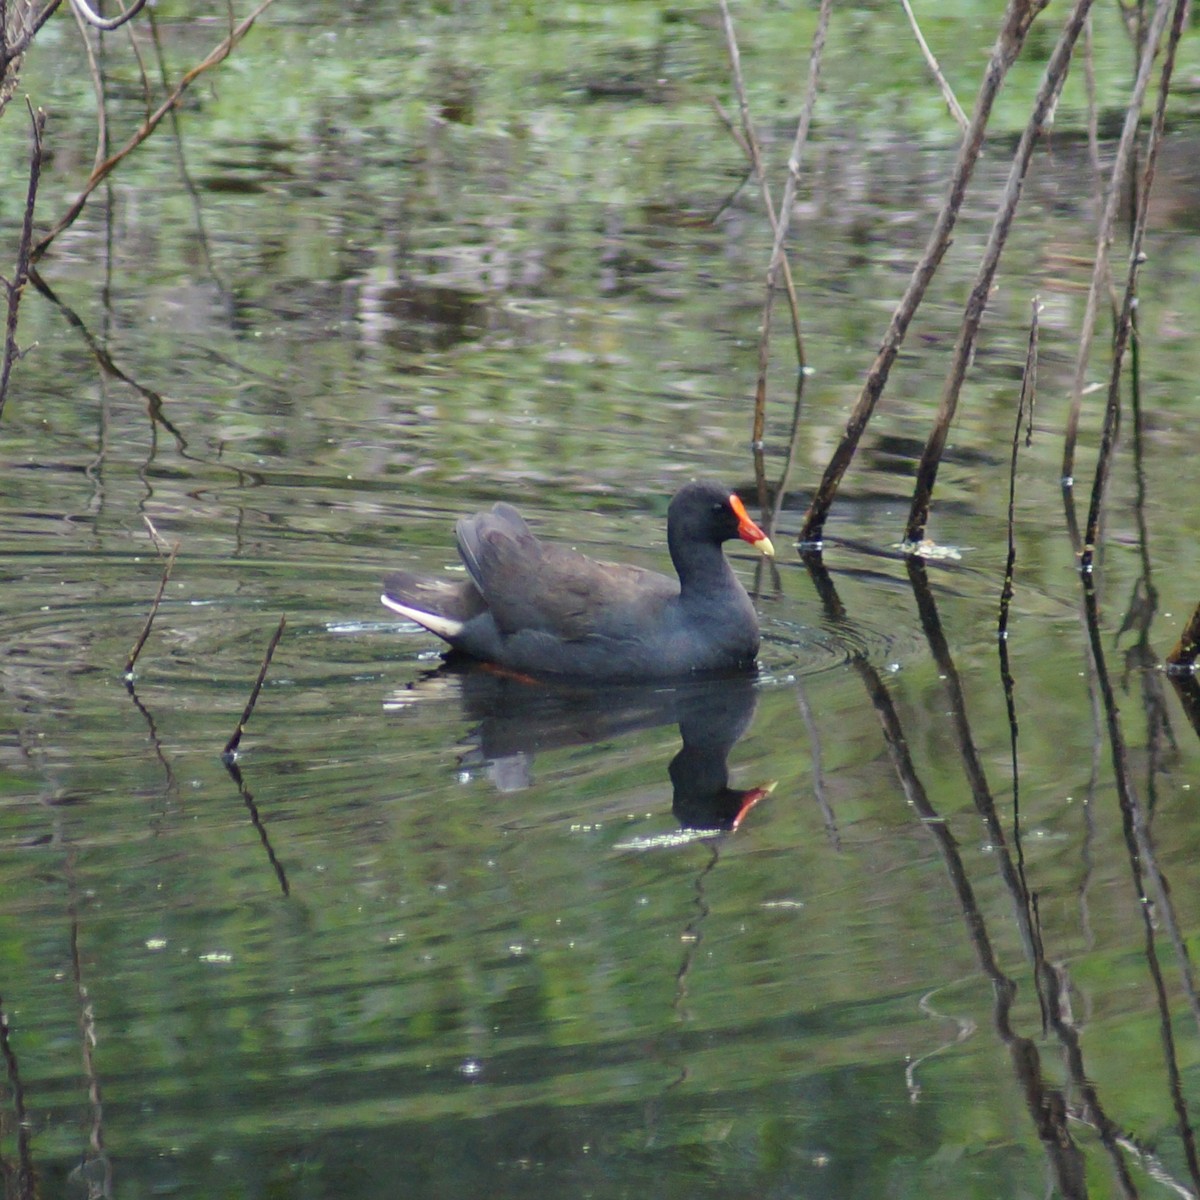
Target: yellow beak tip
point(763, 546)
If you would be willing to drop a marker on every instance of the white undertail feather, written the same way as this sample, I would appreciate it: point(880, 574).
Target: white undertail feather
point(444, 627)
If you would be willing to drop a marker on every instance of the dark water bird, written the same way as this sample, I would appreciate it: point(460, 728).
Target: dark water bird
point(543, 609)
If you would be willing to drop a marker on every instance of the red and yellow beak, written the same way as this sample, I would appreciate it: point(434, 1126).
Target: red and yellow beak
point(748, 531)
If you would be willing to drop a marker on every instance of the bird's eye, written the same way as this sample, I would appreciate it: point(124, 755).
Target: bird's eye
point(719, 506)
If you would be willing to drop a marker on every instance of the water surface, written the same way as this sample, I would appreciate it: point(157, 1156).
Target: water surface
point(453, 936)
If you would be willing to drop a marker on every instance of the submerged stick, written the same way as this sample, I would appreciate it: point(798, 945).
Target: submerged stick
point(256, 820)
point(1025, 403)
point(1018, 17)
point(15, 287)
point(1039, 121)
point(232, 745)
point(162, 587)
point(155, 401)
point(21, 1183)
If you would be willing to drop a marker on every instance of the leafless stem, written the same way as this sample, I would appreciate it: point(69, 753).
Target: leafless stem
point(755, 156)
point(231, 746)
point(16, 286)
point(1112, 408)
point(131, 661)
point(1093, 125)
point(778, 259)
point(964, 348)
point(932, 63)
point(1018, 17)
point(14, 49)
point(184, 173)
point(97, 87)
point(22, 1183)
point(217, 55)
point(1104, 235)
point(1025, 403)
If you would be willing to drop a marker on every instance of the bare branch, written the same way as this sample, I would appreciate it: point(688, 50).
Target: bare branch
point(97, 87)
point(230, 751)
point(948, 95)
point(217, 55)
point(94, 19)
point(1121, 336)
point(16, 287)
point(18, 47)
point(131, 660)
point(1039, 122)
point(1018, 17)
point(1104, 236)
point(755, 155)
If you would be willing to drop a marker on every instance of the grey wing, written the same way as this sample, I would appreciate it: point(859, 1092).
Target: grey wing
point(533, 586)
point(572, 597)
point(493, 543)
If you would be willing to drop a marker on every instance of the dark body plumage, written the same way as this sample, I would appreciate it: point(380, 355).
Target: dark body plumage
point(540, 608)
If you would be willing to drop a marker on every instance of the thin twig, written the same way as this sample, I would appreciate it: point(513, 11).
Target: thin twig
point(1025, 404)
point(1112, 409)
point(777, 261)
point(143, 74)
point(162, 587)
point(184, 173)
point(1093, 143)
point(22, 1181)
point(1104, 236)
point(98, 87)
point(217, 55)
point(16, 286)
point(155, 401)
point(755, 155)
point(1039, 121)
point(778, 257)
point(733, 131)
point(231, 746)
point(956, 110)
point(16, 48)
point(1018, 17)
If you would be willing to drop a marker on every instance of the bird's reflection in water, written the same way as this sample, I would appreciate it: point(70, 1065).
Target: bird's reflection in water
point(516, 718)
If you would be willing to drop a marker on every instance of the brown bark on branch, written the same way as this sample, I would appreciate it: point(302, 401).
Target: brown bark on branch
point(1104, 237)
point(1112, 409)
point(15, 287)
point(964, 348)
point(104, 169)
point(1018, 18)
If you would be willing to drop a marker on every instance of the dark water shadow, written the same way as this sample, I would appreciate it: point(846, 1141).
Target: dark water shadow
point(516, 719)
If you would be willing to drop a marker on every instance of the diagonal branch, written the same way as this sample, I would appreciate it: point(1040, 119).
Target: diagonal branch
point(1039, 122)
point(16, 286)
point(1018, 17)
point(956, 110)
point(1104, 238)
point(217, 55)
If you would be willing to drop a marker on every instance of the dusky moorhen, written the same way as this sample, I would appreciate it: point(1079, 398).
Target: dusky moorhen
point(538, 608)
